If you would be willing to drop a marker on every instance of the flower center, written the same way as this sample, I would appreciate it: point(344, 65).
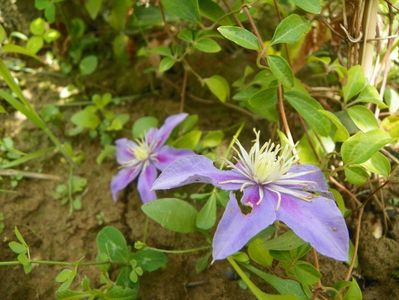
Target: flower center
point(141, 153)
point(263, 164)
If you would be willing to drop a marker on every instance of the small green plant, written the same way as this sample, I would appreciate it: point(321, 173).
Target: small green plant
point(99, 119)
point(71, 192)
point(128, 265)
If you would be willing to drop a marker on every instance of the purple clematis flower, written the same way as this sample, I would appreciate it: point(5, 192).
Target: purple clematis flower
point(276, 189)
point(143, 157)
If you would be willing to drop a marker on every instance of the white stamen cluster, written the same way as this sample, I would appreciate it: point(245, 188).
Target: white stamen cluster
point(143, 152)
point(263, 164)
point(268, 165)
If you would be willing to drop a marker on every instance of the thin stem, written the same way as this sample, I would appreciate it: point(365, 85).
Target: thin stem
point(145, 229)
point(343, 188)
point(358, 227)
point(57, 263)
point(183, 90)
point(317, 267)
point(13, 172)
point(179, 251)
point(283, 115)
point(254, 289)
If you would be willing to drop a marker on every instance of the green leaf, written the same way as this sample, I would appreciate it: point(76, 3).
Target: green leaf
point(185, 9)
point(111, 244)
point(290, 30)
point(213, 138)
point(188, 141)
point(207, 45)
point(370, 95)
point(93, 7)
point(107, 152)
point(49, 12)
point(150, 260)
point(356, 175)
point(142, 125)
point(361, 146)
point(86, 118)
point(363, 118)
point(206, 217)
point(287, 241)
point(355, 82)
point(354, 292)
point(166, 63)
point(51, 35)
point(281, 70)
point(88, 64)
point(259, 253)
point(202, 263)
point(42, 4)
point(11, 48)
point(341, 133)
point(172, 214)
point(340, 202)
point(309, 109)
point(101, 101)
point(118, 122)
point(133, 276)
point(283, 286)
point(186, 35)
point(19, 236)
point(3, 34)
point(378, 164)
point(65, 275)
point(263, 103)
point(219, 86)
point(17, 247)
point(37, 26)
point(240, 36)
point(214, 12)
point(24, 260)
point(34, 44)
point(312, 6)
point(306, 273)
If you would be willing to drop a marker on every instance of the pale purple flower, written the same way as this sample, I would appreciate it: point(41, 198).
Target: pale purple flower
point(144, 156)
point(276, 189)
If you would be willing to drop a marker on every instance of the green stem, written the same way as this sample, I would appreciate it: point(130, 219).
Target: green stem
point(145, 229)
point(55, 262)
point(254, 289)
point(179, 251)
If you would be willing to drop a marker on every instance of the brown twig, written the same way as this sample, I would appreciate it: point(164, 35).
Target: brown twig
point(319, 286)
point(358, 228)
point(13, 172)
point(343, 188)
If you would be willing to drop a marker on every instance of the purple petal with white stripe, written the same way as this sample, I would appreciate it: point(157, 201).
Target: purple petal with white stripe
point(318, 222)
point(124, 151)
point(166, 155)
point(122, 179)
point(235, 229)
point(196, 168)
point(146, 179)
point(166, 129)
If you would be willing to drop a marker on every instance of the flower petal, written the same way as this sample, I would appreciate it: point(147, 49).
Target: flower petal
point(146, 179)
point(318, 222)
point(195, 168)
point(306, 173)
point(166, 129)
point(122, 179)
point(124, 151)
point(235, 229)
point(167, 155)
